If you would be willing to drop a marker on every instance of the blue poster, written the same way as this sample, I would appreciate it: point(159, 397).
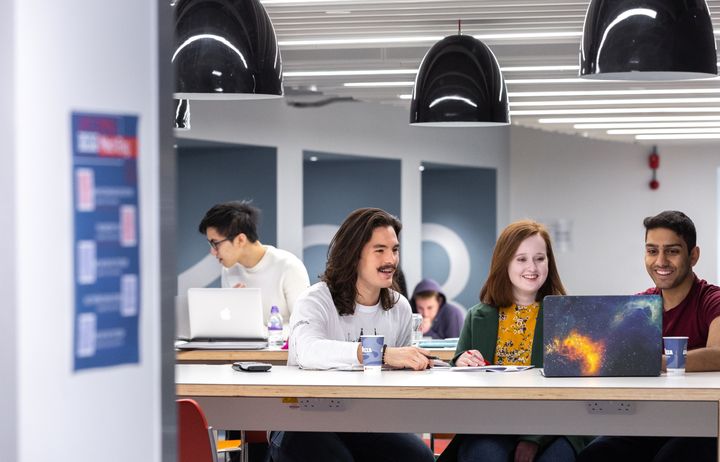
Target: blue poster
point(106, 240)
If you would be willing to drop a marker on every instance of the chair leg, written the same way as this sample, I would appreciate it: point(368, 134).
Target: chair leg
point(245, 446)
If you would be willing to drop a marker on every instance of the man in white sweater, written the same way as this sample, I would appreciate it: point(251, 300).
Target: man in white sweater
point(354, 297)
point(231, 231)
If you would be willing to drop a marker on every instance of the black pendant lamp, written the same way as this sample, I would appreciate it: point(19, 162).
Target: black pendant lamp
point(225, 49)
point(459, 84)
point(648, 40)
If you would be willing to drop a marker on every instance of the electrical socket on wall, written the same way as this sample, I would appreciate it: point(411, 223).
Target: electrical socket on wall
point(321, 404)
point(610, 407)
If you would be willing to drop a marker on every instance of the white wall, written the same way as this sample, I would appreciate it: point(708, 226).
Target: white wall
point(80, 55)
point(602, 188)
point(355, 129)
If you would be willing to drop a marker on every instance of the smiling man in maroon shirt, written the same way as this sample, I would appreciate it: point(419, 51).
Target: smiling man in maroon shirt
point(691, 305)
point(691, 309)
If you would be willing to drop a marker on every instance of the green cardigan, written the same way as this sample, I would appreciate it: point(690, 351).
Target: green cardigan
point(480, 332)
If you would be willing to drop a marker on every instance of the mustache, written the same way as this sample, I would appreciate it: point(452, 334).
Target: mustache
point(388, 267)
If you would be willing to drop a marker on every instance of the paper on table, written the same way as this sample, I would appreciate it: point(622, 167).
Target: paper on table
point(492, 368)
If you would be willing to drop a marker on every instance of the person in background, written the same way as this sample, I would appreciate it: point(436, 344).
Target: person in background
point(691, 309)
point(506, 328)
point(441, 319)
point(231, 231)
point(356, 294)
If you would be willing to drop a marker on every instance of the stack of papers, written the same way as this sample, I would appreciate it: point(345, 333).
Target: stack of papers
point(493, 368)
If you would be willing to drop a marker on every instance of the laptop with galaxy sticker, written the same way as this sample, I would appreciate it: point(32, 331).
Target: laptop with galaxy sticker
point(604, 335)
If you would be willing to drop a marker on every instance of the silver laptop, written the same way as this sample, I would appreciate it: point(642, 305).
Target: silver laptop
point(225, 319)
point(182, 318)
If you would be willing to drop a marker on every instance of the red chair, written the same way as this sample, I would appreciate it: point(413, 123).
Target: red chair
point(196, 439)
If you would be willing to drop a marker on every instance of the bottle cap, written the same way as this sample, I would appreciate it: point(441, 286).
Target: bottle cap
point(274, 309)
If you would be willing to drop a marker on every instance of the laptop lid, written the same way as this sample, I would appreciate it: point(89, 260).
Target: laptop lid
point(605, 335)
point(228, 314)
point(182, 317)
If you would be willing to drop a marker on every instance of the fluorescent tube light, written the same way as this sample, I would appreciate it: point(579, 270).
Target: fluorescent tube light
point(378, 84)
point(663, 91)
point(657, 131)
point(340, 73)
point(422, 38)
point(627, 110)
point(608, 126)
point(350, 73)
point(604, 102)
point(528, 81)
point(580, 120)
point(680, 136)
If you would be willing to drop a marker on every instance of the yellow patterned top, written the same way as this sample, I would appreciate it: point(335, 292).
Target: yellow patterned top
point(516, 329)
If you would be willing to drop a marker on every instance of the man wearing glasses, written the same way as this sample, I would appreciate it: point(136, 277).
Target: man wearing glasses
point(231, 231)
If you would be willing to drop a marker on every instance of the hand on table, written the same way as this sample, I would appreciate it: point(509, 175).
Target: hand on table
point(471, 358)
point(411, 357)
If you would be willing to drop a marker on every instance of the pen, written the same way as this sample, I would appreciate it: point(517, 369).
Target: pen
point(432, 357)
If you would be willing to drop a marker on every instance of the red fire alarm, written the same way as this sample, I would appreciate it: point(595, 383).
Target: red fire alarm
point(654, 163)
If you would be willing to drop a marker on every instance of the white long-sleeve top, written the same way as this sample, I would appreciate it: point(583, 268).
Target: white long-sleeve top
point(322, 339)
point(280, 276)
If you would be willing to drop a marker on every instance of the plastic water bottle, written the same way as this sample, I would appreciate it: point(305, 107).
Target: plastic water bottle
point(275, 329)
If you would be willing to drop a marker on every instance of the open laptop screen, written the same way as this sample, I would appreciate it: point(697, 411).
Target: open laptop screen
point(602, 335)
point(226, 314)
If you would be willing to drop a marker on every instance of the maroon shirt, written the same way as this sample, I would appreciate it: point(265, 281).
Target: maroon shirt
point(692, 317)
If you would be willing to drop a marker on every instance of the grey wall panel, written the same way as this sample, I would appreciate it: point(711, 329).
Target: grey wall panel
point(334, 188)
point(210, 175)
point(459, 203)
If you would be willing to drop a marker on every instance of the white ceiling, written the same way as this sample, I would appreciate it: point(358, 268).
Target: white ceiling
point(393, 35)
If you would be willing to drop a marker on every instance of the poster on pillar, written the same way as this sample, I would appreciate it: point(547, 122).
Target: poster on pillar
point(106, 240)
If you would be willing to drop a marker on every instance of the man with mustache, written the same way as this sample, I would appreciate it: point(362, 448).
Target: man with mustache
point(356, 295)
point(691, 309)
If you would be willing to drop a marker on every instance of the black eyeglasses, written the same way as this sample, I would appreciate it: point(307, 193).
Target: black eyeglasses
point(215, 244)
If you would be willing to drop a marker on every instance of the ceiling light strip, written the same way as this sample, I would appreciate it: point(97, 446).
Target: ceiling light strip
point(378, 84)
point(580, 120)
point(360, 72)
point(657, 131)
point(341, 73)
point(662, 91)
point(628, 125)
point(423, 38)
point(609, 102)
point(680, 136)
point(627, 110)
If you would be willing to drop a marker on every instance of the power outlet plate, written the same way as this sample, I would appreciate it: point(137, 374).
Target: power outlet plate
point(321, 404)
point(610, 407)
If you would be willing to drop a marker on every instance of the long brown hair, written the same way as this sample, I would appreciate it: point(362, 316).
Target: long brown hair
point(344, 255)
point(497, 290)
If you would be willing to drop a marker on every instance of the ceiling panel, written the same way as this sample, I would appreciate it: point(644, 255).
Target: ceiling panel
point(370, 50)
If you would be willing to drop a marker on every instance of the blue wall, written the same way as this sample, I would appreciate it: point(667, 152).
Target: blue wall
point(334, 188)
point(208, 175)
point(463, 200)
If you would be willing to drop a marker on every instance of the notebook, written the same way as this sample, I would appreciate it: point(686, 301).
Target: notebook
point(602, 336)
point(225, 319)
